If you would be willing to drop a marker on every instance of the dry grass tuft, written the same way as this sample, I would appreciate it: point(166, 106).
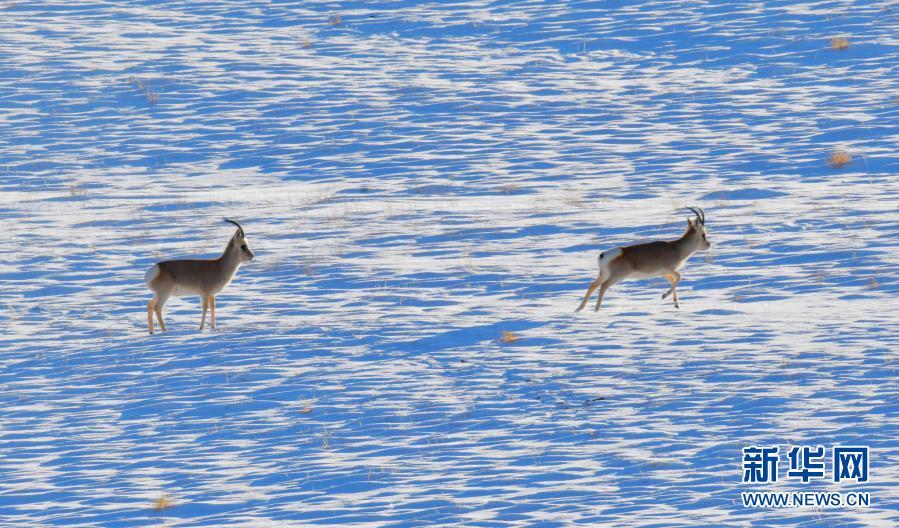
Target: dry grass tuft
point(839, 159)
point(77, 189)
point(334, 20)
point(839, 43)
point(508, 337)
point(307, 406)
point(873, 284)
point(144, 88)
point(162, 503)
point(573, 199)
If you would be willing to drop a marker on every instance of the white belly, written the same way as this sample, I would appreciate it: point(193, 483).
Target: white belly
point(184, 291)
point(637, 275)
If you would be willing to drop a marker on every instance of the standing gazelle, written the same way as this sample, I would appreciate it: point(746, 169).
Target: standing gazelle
point(653, 259)
point(205, 278)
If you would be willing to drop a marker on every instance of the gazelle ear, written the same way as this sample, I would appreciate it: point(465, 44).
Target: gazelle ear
point(690, 224)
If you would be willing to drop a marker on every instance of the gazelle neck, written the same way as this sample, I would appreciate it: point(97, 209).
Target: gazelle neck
point(230, 259)
point(687, 244)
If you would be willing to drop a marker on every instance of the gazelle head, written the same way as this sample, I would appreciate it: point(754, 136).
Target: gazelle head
point(238, 244)
point(696, 231)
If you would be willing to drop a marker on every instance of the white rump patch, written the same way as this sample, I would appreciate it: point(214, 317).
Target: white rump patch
point(608, 256)
point(151, 275)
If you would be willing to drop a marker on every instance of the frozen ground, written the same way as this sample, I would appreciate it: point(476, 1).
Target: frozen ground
point(416, 179)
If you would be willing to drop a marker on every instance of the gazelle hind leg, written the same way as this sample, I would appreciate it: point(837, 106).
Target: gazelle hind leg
point(212, 310)
point(593, 285)
point(602, 293)
point(160, 302)
point(615, 276)
point(600, 279)
point(150, 307)
point(205, 306)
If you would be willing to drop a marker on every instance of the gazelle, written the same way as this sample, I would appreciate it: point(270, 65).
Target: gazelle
point(206, 278)
point(653, 259)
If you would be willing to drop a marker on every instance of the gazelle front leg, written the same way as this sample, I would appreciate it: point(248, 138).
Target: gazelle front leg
point(593, 285)
point(212, 310)
point(205, 306)
point(674, 279)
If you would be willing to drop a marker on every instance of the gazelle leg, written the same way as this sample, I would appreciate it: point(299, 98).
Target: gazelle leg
point(150, 307)
point(674, 279)
point(602, 293)
point(593, 285)
point(160, 302)
point(205, 306)
point(670, 280)
point(212, 310)
point(614, 278)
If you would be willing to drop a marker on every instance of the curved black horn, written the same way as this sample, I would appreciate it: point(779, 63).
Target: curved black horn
point(699, 214)
point(235, 223)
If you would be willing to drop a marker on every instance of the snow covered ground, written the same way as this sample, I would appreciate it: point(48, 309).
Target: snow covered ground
point(416, 179)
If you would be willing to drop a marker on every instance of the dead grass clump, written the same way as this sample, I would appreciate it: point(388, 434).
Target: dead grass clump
point(873, 284)
point(334, 20)
point(573, 199)
point(839, 43)
point(144, 88)
point(508, 337)
point(307, 406)
point(77, 189)
point(839, 159)
point(162, 503)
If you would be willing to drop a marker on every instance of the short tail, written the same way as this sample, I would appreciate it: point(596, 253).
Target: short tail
point(606, 258)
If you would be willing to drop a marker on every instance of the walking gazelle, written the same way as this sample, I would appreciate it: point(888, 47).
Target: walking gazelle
point(203, 277)
point(653, 259)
